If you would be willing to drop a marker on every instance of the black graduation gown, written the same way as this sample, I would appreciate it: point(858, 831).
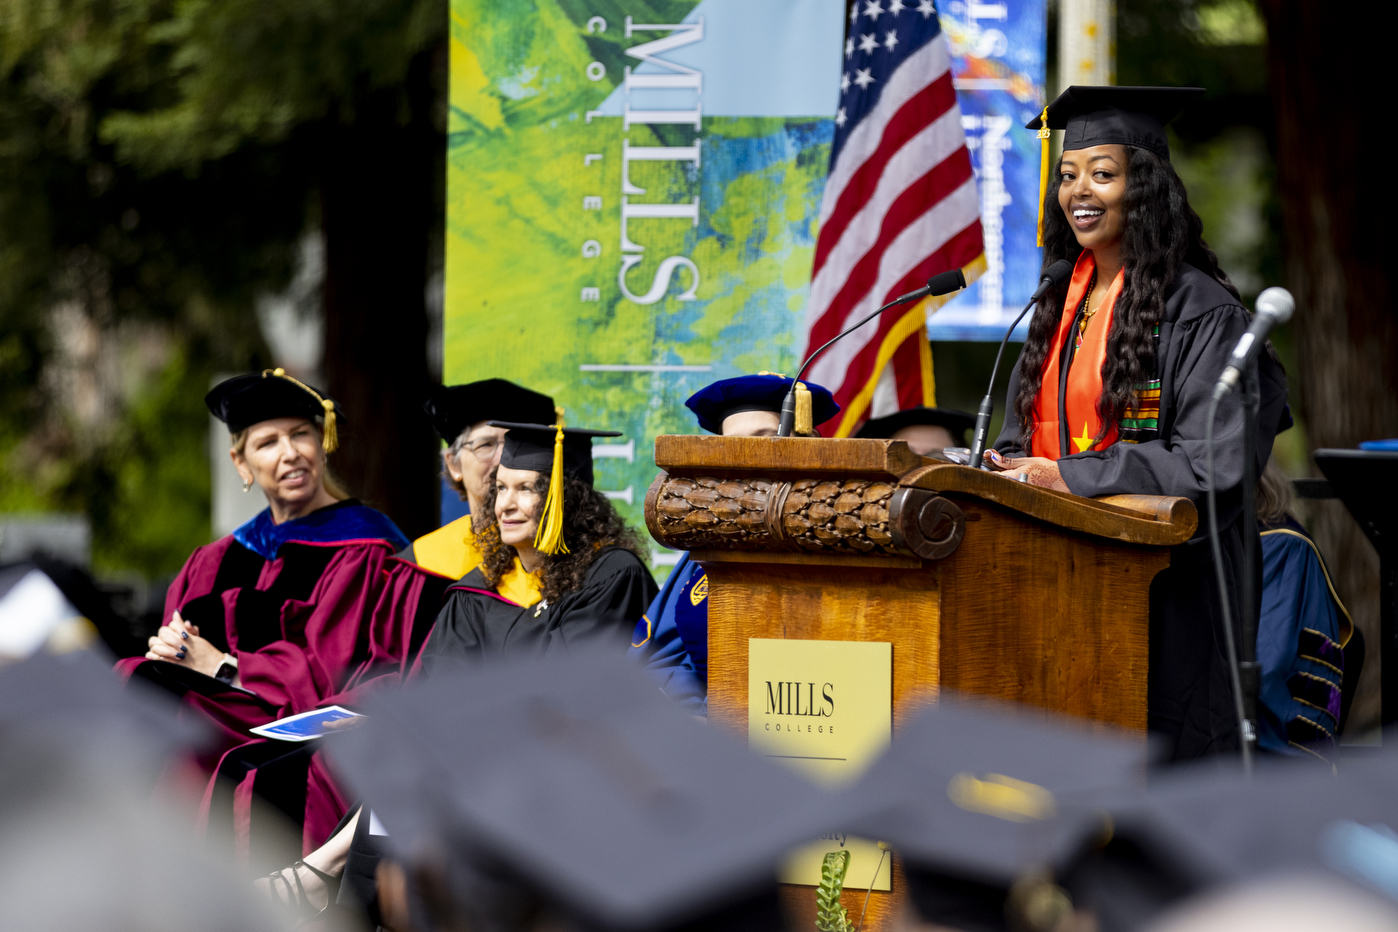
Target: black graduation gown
point(474, 623)
point(1189, 697)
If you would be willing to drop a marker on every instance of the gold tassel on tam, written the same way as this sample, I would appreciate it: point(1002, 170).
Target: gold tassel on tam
point(1043, 169)
point(330, 436)
point(549, 537)
point(804, 426)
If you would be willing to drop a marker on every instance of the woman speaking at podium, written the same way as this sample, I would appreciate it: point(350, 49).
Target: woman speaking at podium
point(1112, 387)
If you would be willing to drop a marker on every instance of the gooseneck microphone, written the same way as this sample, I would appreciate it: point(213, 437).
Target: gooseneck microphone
point(1274, 307)
point(1055, 275)
point(939, 284)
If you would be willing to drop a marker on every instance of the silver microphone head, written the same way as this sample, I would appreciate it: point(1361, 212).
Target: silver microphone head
point(1276, 303)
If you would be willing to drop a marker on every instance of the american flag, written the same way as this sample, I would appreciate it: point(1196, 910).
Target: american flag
point(900, 206)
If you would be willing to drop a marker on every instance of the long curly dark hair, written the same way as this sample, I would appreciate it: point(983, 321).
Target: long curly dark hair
point(590, 523)
point(1161, 231)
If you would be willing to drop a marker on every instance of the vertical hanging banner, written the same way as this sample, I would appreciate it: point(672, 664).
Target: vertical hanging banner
point(998, 53)
point(632, 193)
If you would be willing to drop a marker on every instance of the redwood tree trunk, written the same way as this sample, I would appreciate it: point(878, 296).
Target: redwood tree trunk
point(1338, 208)
point(379, 205)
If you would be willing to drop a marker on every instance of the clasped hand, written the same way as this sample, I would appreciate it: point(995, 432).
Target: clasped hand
point(1036, 470)
point(179, 642)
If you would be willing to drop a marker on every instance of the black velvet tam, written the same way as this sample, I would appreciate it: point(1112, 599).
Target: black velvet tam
point(881, 428)
point(455, 408)
point(1126, 116)
point(245, 400)
point(530, 446)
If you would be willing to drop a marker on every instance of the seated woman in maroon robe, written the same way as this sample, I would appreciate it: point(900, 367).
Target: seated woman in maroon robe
point(590, 585)
point(298, 605)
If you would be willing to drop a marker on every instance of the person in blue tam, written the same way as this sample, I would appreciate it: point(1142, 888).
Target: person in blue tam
point(1309, 649)
point(672, 638)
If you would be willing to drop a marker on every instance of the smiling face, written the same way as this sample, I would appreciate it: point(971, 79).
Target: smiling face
point(517, 505)
point(284, 457)
point(1091, 190)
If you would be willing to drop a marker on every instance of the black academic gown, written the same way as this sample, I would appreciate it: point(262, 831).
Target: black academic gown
point(1189, 697)
point(474, 623)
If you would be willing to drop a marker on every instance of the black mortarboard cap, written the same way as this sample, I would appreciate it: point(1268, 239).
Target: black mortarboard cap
point(455, 408)
point(1210, 825)
point(245, 400)
point(1127, 116)
point(970, 793)
point(880, 428)
point(574, 775)
point(530, 446)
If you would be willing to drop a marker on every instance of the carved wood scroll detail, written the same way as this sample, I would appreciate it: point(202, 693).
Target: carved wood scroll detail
point(704, 513)
point(854, 516)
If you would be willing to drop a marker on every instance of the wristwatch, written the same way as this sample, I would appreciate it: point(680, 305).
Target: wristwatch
point(227, 671)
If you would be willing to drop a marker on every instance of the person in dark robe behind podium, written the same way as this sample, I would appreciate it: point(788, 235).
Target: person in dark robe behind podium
point(924, 430)
point(298, 605)
point(672, 637)
point(1308, 647)
point(1112, 387)
point(461, 416)
point(544, 512)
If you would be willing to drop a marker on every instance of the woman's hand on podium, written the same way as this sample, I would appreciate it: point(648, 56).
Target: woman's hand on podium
point(1036, 470)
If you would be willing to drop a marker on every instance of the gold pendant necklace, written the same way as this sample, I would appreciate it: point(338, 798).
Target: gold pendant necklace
point(1087, 308)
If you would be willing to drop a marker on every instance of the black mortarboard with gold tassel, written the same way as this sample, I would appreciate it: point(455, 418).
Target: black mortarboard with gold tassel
point(1105, 116)
point(558, 451)
point(245, 400)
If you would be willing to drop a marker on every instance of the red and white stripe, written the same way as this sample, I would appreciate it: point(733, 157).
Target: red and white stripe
point(900, 205)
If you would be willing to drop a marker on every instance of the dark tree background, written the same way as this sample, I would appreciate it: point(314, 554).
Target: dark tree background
point(160, 162)
point(1339, 239)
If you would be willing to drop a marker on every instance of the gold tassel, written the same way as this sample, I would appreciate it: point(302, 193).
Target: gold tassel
point(1043, 170)
point(330, 437)
point(804, 426)
point(549, 537)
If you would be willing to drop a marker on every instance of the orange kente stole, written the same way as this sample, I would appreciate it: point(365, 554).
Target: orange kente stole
point(1084, 376)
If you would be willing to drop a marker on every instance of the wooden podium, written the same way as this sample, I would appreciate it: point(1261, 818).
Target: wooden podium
point(981, 584)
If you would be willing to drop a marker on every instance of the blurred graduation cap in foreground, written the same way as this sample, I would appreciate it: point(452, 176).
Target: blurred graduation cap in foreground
point(50, 604)
point(1209, 827)
point(976, 796)
point(569, 786)
point(84, 843)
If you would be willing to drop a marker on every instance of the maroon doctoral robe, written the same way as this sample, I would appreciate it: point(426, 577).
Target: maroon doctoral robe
point(318, 623)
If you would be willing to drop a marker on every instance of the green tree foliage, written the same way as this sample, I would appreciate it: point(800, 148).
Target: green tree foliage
point(159, 160)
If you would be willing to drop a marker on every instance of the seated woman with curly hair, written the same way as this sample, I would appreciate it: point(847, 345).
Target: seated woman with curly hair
point(588, 583)
point(543, 509)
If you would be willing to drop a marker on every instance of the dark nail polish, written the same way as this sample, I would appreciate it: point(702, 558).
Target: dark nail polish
point(185, 635)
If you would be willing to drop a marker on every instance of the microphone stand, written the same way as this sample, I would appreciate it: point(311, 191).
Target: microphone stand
point(1249, 670)
point(977, 459)
point(939, 284)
